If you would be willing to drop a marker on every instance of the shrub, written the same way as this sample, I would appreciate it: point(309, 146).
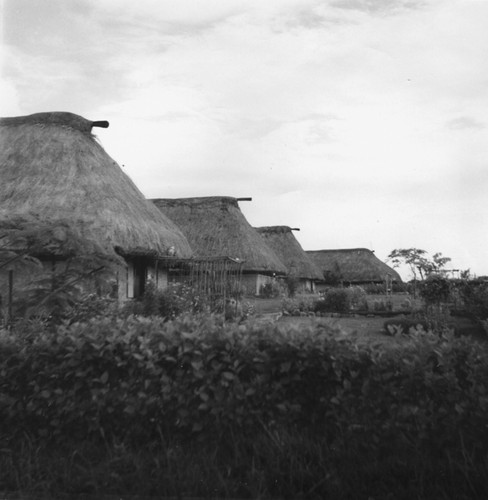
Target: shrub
point(270, 290)
point(301, 304)
point(176, 299)
point(406, 304)
point(475, 298)
point(435, 290)
point(434, 320)
point(260, 399)
point(374, 288)
point(404, 325)
point(292, 284)
point(91, 306)
point(357, 298)
point(336, 300)
point(381, 305)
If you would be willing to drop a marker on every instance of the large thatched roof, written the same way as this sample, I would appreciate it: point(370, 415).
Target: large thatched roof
point(52, 169)
point(282, 240)
point(353, 265)
point(216, 226)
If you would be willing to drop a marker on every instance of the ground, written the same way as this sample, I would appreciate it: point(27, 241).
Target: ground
point(371, 328)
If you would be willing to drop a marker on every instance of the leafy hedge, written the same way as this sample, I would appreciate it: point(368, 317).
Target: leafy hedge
point(195, 378)
point(139, 377)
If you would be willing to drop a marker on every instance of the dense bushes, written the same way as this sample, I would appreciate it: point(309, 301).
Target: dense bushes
point(342, 300)
point(435, 290)
point(133, 377)
point(271, 290)
point(371, 416)
point(334, 300)
point(299, 305)
point(475, 298)
point(176, 299)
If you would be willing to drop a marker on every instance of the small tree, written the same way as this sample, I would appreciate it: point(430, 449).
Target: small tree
point(419, 263)
point(413, 257)
point(292, 284)
point(435, 290)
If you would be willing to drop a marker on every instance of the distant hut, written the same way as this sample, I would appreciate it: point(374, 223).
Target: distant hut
point(57, 177)
point(299, 264)
point(352, 266)
point(215, 226)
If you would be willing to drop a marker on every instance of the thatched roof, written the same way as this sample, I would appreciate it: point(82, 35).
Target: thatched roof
point(353, 265)
point(216, 226)
point(52, 169)
point(282, 240)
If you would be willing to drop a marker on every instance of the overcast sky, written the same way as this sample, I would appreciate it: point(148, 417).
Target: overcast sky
point(363, 122)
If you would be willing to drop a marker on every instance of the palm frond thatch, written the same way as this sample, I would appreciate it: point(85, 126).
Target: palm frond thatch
point(215, 225)
point(52, 168)
point(282, 240)
point(353, 265)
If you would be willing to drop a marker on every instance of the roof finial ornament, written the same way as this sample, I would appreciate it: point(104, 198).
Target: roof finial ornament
point(101, 124)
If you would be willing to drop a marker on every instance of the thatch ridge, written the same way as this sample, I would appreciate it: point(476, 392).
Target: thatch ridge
point(60, 118)
point(353, 265)
point(290, 252)
point(52, 168)
point(215, 225)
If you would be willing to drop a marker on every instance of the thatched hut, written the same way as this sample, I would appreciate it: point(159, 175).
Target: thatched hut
point(56, 177)
point(352, 266)
point(299, 264)
point(215, 226)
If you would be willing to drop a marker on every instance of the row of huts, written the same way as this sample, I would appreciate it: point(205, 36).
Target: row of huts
point(62, 196)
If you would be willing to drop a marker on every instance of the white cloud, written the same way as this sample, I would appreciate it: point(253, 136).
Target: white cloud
point(465, 123)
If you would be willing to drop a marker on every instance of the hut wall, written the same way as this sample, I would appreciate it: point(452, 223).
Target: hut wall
point(139, 272)
point(307, 285)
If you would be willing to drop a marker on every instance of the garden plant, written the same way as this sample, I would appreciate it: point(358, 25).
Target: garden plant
point(198, 407)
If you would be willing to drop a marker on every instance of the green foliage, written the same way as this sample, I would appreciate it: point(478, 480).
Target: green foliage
point(92, 305)
point(298, 305)
point(333, 278)
point(415, 258)
point(435, 290)
point(418, 261)
point(173, 301)
point(336, 300)
point(435, 320)
point(270, 290)
point(381, 305)
point(379, 288)
point(474, 295)
point(404, 326)
point(292, 284)
point(271, 408)
point(357, 298)
point(78, 267)
point(58, 295)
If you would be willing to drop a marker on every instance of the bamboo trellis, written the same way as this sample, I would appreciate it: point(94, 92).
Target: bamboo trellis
point(217, 278)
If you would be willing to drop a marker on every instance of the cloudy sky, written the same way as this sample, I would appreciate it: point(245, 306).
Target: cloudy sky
point(363, 122)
